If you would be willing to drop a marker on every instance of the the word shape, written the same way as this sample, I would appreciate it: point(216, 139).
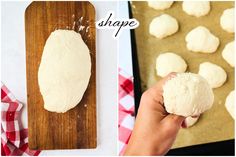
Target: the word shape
point(118, 24)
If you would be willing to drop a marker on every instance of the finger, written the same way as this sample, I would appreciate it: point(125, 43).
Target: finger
point(158, 87)
point(195, 116)
point(184, 125)
point(172, 123)
point(174, 119)
point(166, 78)
point(153, 96)
point(161, 82)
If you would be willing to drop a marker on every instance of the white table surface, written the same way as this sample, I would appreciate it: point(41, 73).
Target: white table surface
point(13, 72)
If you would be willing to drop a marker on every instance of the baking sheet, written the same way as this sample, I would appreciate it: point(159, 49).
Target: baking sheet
point(215, 124)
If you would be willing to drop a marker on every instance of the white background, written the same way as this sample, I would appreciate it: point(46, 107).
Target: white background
point(13, 72)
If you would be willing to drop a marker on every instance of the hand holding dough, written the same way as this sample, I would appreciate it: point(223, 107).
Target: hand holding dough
point(196, 8)
point(227, 20)
point(214, 74)
point(228, 53)
point(160, 5)
point(64, 71)
point(163, 26)
point(169, 62)
point(200, 39)
point(187, 94)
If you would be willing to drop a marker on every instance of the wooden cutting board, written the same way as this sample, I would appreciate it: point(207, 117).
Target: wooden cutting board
point(77, 127)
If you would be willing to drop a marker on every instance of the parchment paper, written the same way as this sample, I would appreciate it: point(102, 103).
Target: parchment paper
point(215, 124)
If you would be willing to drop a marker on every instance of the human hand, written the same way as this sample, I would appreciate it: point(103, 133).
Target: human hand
point(155, 130)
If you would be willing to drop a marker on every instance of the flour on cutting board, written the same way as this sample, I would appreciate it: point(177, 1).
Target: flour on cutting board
point(81, 28)
point(73, 27)
point(81, 19)
point(77, 25)
point(87, 29)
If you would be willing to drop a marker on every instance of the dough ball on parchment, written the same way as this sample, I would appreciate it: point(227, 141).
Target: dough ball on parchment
point(64, 71)
point(227, 20)
point(200, 39)
point(163, 26)
point(196, 8)
point(214, 74)
point(160, 5)
point(229, 103)
point(169, 62)
point(187, 94)
point(228, 53)
point(190, 121)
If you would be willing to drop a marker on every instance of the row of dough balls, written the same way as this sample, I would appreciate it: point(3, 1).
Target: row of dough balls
point(194, 8)
point(199, 39)
point(170, 62)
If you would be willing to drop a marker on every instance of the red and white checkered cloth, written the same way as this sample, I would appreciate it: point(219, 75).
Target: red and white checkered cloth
point(14, 138)
point(126, 109)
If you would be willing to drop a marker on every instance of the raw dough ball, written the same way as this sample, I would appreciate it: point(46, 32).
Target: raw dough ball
point(229, 103)
point(169, 62)
point(64, 71)
point(190, 121)
point(228, 53)
point(160, 5)
point(214, 74)
point(187, 94)
point(227, 20)
point(163, 26)
point(200, 39)
point(196, 8)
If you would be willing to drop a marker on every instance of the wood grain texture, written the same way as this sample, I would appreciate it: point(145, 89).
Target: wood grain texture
point(77, 127)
